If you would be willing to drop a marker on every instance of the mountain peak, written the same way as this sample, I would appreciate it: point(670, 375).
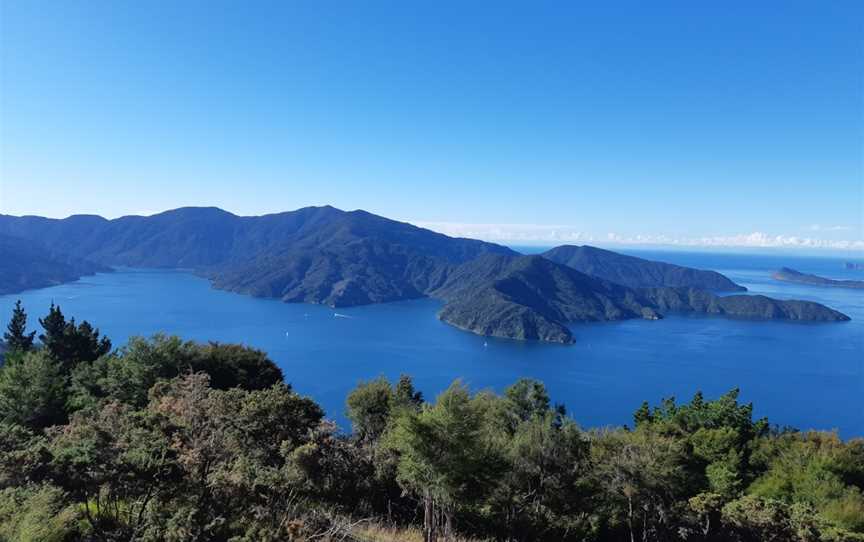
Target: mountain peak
point(197, 212)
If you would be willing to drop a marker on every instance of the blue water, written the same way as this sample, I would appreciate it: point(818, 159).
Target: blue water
point(804, 375)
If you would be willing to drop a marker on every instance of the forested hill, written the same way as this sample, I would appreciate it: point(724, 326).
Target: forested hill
point(328, 256)
point(637, 272)
point(314, 254)
point(533, 298)
point(206, 237)
point(27, 264)
point(170, 440)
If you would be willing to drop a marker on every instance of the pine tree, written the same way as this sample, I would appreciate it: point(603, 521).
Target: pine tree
point(16, 336)
point(643, 415)
point(405, 395)
point(54, 325)
point(69, 343)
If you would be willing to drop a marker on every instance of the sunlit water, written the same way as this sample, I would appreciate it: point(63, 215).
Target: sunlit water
point(804, 375)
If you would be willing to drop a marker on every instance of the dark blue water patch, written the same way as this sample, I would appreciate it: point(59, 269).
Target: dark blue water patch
point(805, 375)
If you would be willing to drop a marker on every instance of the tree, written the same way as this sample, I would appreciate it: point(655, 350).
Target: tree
point(37, 512)
point(753, 519)
point(368, 408)
point(128, 374)
point(114, 462)
point(231, 447)
point(16, 336)
point(23, 457)
point(442, 456)
point(53, 325)
point(540, 491)
point(70, 344)
point(809, 468)
point(642, 474)
point(643, 415)
point(373, 406)
point(32, 392)
point(405, 395)
point(525, 399)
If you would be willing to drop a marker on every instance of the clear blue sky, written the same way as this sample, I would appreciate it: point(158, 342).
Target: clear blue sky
point(640, 118)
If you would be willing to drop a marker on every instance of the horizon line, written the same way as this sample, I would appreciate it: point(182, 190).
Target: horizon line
point(516, 234)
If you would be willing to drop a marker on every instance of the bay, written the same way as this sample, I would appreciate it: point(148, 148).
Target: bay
point(798, 374)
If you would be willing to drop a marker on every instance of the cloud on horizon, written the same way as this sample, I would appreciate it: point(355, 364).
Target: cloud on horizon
point(821, 227)
point(558, 234)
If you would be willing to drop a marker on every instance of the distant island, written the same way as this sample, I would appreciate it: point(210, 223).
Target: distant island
point(853, 265)
point(791, 275)
point(327, 256)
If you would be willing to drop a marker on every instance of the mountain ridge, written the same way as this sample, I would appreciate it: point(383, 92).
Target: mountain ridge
point(341, 258)
point(533, 298)
point(638, 272)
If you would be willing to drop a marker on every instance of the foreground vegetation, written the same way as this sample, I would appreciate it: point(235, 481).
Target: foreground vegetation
point(170, 440)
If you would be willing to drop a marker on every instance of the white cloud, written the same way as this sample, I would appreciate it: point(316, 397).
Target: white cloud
point(529, 233)
point(558, 234)
point(820, 227)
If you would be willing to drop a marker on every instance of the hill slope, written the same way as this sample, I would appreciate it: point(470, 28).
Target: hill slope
point(357, 259)
point(324, 255)
point(533, 298)
point(26, 264)
point(316, 254)
point(637, 272)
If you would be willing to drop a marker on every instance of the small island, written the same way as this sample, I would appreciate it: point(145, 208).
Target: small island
point(791, 275)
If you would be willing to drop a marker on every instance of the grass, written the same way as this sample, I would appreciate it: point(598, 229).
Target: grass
point(374, 532)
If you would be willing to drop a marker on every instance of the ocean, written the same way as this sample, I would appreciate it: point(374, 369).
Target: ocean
point(810, 376)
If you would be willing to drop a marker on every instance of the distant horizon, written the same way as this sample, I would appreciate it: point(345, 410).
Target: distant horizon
point(539, 236)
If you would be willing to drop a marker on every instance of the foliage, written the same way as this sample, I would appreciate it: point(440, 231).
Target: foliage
point(70, 344)
point(31, 513)
point(16, 336)
point(128, 375)
point(171, 440)
point(814, 468)
point(32, 391)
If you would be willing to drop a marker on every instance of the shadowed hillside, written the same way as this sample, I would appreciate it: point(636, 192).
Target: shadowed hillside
point(328, 256)
point(27, 264)
point(637, 272)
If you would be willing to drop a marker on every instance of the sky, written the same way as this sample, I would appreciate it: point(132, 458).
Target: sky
point(703, 123)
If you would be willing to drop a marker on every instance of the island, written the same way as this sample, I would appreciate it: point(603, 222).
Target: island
point(339, 258)
point(854, 266)
point(787, 274)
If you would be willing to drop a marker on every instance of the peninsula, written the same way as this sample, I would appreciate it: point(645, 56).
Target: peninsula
point(327, 256)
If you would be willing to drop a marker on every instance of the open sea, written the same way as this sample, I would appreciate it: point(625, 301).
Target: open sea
point(798, 374)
